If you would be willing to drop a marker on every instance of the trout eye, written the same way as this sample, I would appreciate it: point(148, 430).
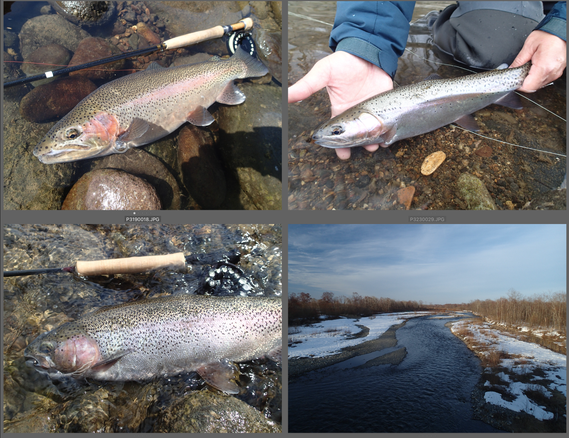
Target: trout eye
point(72, 134)
point(336, 130)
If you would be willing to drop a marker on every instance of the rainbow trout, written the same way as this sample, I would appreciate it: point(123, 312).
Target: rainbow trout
point(163, 337)
point(143, 107)
point(414, 109)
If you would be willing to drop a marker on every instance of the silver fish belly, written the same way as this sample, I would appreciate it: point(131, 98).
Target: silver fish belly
point(143, 107)
point(163, 337)
point(415, 109)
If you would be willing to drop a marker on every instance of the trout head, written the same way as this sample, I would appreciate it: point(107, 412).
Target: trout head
point(355, 127)
point(60, 353)
point(76, 138)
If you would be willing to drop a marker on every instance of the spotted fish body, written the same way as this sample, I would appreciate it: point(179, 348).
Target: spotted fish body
point(143, 107)
point(415, 109)
point(162, 337)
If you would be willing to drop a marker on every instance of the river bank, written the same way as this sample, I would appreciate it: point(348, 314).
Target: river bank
point(522, 387)
point(303, 365)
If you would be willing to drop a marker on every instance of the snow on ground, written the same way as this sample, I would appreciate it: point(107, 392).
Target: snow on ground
point(329, 337)
point(529, 358)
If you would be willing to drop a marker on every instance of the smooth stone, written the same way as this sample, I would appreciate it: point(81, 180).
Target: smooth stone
point(93, 49)
point(201, 167)
point(46, 29)
point(432, 162)
point(405, 196)
point(473, 191)
point(139, 162)
point(145, 32)
point(47, 58)
point(110, 189)
point(51, 101)
point(85, 13)
point(485, 151)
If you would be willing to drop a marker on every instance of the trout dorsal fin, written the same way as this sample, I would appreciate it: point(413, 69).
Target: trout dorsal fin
point(154, 66)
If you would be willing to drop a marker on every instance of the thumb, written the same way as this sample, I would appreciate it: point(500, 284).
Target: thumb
point(316, 79)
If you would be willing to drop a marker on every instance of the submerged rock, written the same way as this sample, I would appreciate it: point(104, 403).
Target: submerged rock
point(46, 58)
point(251, 145)
point(201, 167)
point(110, 189)
point(93, 49)
point(206, 412)
point(85, 13)
point(46, 29)
point(473, 191)
point(54, 100)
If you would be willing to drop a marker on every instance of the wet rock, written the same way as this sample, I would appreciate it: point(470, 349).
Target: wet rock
point(473, 191)
point(206, 412)
point(10, 39)
point(110, 189)
point(550, 200)
point(405, 196)
point(85, 13)
point(46, 58)
point(140, 163)
point(269, 45)
point(277, 9)
point(54, 100)
point(145, 32)
point(432, 162)
point(92, 49)
point(201, 167)
point(250, 140)
point(47, 29)
point(484, 151)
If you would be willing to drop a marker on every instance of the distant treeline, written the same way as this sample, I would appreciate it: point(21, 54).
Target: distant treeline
point(544, 310)
point(302, 307)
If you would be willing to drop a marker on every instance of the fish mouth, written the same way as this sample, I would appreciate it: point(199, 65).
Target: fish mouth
point(73, 152)
point(335, 142)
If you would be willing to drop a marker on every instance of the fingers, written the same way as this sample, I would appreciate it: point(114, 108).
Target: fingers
point(343, 153)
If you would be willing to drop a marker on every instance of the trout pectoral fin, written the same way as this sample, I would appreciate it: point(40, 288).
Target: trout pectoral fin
point(104, 365)
point(220, 375)
point(141, 132)
point(200, 117)
point(231, 95)
point(275, 354)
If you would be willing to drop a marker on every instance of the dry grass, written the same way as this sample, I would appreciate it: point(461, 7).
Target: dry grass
point(493, 358)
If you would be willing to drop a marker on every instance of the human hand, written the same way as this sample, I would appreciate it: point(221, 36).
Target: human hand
point(348, 79)
point(547, 53)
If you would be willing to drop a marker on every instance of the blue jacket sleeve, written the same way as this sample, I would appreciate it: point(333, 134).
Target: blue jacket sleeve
point(555, 22)
point(374, 31)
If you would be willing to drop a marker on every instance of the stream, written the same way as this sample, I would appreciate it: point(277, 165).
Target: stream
point(429, 391)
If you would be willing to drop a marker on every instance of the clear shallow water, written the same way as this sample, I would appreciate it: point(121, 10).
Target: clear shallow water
point(429, 391)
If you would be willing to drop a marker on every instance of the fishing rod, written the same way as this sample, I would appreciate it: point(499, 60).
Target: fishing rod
point(173, 43)
point(129, 265)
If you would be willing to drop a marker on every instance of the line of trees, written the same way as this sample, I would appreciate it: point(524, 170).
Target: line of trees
point(302, 307)
point(547, 310)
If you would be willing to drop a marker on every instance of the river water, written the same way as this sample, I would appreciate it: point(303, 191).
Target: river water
point(429, 391)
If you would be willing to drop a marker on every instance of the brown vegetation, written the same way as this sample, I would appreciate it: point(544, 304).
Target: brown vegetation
point(302, 307)
point(541, 311)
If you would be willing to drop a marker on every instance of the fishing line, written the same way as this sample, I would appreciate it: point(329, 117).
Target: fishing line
point(309, 18)
point(511, 144)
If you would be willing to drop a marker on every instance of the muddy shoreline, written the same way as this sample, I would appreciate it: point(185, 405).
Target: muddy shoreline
point(303, 365)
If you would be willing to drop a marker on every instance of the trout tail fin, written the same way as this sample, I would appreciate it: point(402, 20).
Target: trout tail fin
point(254, 67)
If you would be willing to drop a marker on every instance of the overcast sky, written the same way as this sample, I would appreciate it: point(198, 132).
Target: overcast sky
point(437, 263)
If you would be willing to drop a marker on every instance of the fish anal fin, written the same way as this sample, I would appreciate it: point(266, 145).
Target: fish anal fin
point(220, 375)
point(510, 100)
point(104, 365)
point(200, 117)
point(467, 122)
point(231, 95)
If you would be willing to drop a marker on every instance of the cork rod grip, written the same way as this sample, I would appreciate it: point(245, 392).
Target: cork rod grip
point(205, 35)
point(131, 265)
